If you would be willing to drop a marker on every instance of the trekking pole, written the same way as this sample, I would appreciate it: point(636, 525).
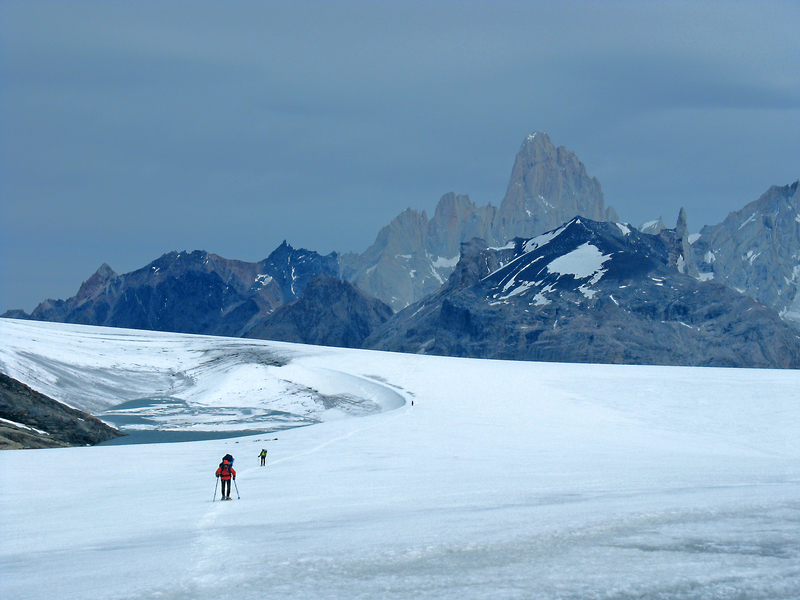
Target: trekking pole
point(238, 497)
point(215, 491)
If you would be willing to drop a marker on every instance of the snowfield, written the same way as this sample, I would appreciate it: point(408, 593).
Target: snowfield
point(167, 382)
point(503, 480)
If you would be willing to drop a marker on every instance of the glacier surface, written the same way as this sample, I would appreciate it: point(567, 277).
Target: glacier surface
point(503, 480)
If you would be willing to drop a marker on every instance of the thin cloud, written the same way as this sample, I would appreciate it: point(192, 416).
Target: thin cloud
point(152, 126)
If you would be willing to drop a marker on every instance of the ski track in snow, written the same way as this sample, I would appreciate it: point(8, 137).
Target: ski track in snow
point(324, 444)
point(206, 550)
point(505, 480)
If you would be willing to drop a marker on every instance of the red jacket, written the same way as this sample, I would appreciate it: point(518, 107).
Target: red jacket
point(225, 472)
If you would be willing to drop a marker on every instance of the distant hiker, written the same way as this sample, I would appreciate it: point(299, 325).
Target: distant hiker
point(263, 456)
point(225, 472)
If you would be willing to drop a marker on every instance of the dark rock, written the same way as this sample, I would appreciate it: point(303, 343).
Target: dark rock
point(58, 425)
point(15, 313)
point(330, 312)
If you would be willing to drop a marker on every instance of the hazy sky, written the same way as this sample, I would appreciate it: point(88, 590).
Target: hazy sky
point(132, 129)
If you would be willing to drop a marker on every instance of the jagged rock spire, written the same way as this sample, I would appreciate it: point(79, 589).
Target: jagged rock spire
point(548, 187)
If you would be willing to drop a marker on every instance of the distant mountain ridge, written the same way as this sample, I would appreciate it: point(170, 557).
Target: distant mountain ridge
point(589, 292)
point(192, 292)
point(198, 292)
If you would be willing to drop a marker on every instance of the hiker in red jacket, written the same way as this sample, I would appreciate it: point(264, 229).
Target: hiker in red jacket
point(225, 472)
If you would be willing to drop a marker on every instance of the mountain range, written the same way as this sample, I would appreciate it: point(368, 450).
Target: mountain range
point(406, 290)
point(590, 292)
point(192, 292)
point(413, 256)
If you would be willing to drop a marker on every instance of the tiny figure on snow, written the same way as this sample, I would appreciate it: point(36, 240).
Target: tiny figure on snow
point(224, 473)
point(263, 455)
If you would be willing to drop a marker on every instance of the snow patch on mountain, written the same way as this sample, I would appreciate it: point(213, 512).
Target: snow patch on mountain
point(542, 240)
point(749, 220)
point(442, 262)
point(585, 261)
point(681, 264)
point(21, 426)
point(652, 227)
point(751, 256)
point(264, 280)
point(517, 290)
point(540, 299)
point(509, 246)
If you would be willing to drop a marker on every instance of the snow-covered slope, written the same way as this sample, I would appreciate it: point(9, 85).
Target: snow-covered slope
point(142, 380)
point(504, 480)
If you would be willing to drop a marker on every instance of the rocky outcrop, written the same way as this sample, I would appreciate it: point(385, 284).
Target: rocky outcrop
point(330, 312)
point(589, 292)
point(548, 187)
point(756, 250)
point(413, 256)
point(29, 419)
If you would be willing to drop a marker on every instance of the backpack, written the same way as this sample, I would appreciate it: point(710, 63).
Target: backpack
point(229, 458)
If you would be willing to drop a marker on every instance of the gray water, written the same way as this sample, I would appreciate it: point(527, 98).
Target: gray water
point(154, 436)
point(141, 411)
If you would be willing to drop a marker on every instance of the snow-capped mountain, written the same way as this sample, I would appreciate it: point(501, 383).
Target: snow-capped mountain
point(756, 250)
point(413, 256)
point(590, 292)
point(191, 292)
